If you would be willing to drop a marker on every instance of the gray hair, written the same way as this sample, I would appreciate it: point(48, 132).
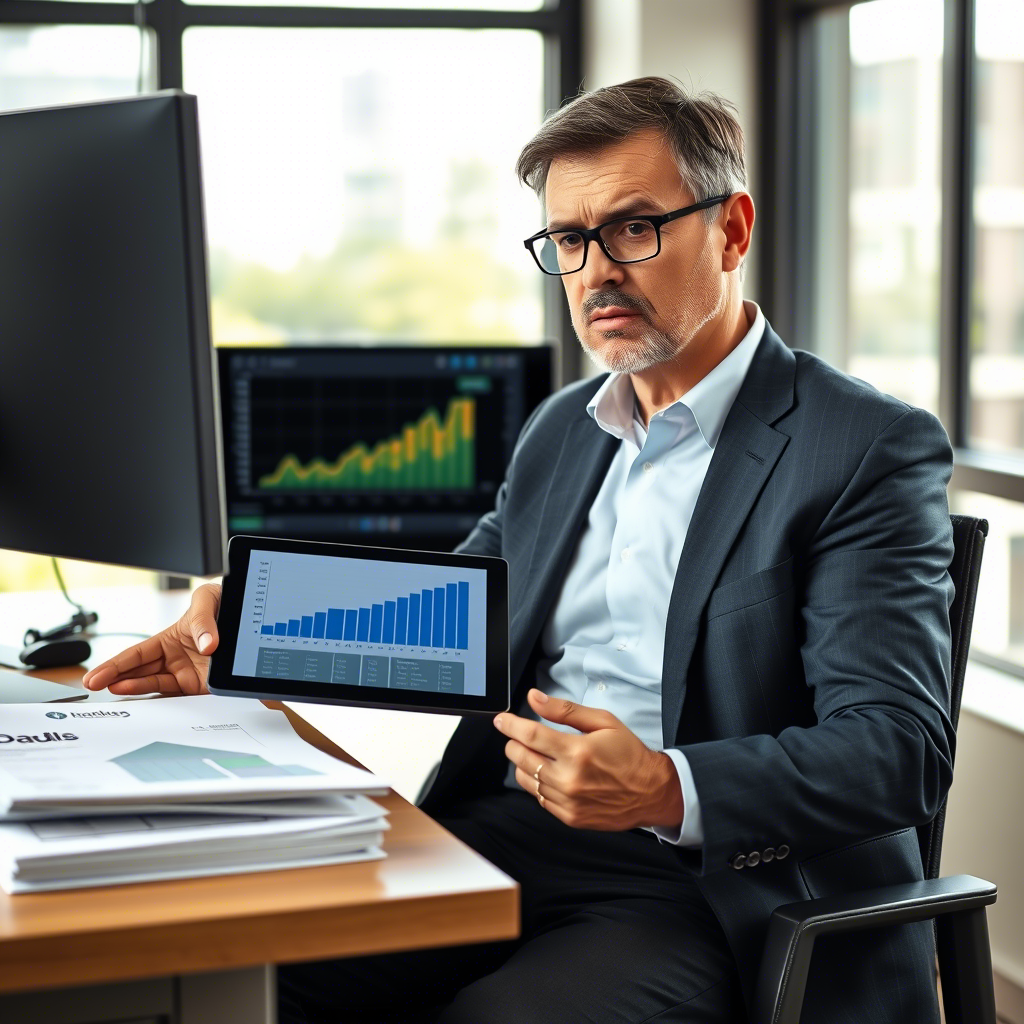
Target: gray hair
point(702, 130)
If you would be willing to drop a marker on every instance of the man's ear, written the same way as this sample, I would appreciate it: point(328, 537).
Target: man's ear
point(737, 222)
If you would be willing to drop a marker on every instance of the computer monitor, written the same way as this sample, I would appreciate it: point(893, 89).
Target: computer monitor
point(109, 429)
point(400, 445)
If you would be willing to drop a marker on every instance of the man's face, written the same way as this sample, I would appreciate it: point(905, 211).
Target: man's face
point(630, 317)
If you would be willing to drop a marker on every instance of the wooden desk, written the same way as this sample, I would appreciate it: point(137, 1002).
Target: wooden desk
point(200, 950)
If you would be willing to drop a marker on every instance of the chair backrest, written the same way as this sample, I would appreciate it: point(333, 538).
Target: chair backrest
point(969, 536)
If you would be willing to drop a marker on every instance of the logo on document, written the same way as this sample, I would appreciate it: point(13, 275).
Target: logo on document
point(55, 714)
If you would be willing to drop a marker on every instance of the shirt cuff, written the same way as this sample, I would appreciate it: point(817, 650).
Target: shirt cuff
point(691, 831)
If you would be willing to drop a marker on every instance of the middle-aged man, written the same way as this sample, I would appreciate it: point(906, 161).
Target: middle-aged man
point(729, 629)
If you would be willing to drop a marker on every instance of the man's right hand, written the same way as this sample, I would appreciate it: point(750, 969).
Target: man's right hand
point(174, 662)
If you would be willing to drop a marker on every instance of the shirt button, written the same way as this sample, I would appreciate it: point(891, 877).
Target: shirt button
point(648, 466)
point(626, 554)
point(601, 687)
point(622, 646)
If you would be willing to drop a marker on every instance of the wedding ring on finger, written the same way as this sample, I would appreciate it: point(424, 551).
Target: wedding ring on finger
point(536, 774)
point(540, 797)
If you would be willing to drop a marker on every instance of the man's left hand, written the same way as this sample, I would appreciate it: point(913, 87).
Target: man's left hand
point(604, 779)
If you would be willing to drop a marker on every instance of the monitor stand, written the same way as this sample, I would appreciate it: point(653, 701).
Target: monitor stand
point(18, 688)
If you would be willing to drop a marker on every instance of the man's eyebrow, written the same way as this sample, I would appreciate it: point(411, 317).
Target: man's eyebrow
point(629, 208)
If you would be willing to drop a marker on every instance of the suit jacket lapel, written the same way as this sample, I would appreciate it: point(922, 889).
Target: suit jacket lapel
point(582, 465)
point(535, 580)
point(744, 458)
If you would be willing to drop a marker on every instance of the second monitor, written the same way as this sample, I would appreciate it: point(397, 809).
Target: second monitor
point(403, 446)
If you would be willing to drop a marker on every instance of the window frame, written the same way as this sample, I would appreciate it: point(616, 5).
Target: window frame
point(558, 21)
point(787, 117)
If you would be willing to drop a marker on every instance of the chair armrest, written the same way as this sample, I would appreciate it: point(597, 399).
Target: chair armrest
point(794, 927)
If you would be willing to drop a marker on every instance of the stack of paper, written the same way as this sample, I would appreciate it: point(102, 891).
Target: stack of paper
point(172, 788)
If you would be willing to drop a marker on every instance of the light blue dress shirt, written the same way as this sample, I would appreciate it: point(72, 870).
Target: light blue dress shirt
point(604, 641)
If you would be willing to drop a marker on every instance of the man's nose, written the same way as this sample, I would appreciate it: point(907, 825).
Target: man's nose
point(599, 271)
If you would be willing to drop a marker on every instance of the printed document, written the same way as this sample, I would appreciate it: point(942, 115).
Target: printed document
point(143, 754)
point(169, 789)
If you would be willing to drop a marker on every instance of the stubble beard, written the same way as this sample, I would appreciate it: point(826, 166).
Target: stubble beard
point(704, 301)
point(631, 355)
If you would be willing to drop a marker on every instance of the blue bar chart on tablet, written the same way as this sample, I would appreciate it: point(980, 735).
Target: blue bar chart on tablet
point(363, 622)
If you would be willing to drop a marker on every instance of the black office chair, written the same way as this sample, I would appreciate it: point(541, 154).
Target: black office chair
point(956, 904)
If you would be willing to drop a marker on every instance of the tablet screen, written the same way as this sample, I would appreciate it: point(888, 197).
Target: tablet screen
point(363, 622)
point(353, 624)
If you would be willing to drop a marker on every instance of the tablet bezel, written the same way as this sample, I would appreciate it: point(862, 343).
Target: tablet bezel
point(222, 679)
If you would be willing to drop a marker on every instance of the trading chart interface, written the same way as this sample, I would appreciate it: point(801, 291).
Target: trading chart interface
point(410, 443)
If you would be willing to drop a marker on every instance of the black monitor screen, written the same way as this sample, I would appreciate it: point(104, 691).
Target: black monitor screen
point(401, 445)
point(109, 443)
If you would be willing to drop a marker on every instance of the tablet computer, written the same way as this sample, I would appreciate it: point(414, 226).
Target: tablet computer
point(377, 627)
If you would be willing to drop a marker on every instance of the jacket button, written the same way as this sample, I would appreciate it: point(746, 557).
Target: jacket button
point(753, 859)
point(739, 861)
point(782, 851)
point(769, 855)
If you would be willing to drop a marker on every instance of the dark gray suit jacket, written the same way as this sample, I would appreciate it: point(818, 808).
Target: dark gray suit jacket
point(807, 652)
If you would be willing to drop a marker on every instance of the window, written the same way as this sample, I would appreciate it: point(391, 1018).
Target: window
point(358, 160)
point(875, 263)
point(997, 322)
point(360, 185)
point(45, 65)
point(896, 214)
point(999, 615)
point(450, 5)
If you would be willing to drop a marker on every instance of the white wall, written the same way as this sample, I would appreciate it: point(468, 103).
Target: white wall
point(984, 832)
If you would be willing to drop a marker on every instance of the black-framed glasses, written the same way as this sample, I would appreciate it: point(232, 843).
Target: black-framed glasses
point(623, 240)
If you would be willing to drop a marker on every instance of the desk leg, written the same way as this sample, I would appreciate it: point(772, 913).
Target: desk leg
point(244, 996)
